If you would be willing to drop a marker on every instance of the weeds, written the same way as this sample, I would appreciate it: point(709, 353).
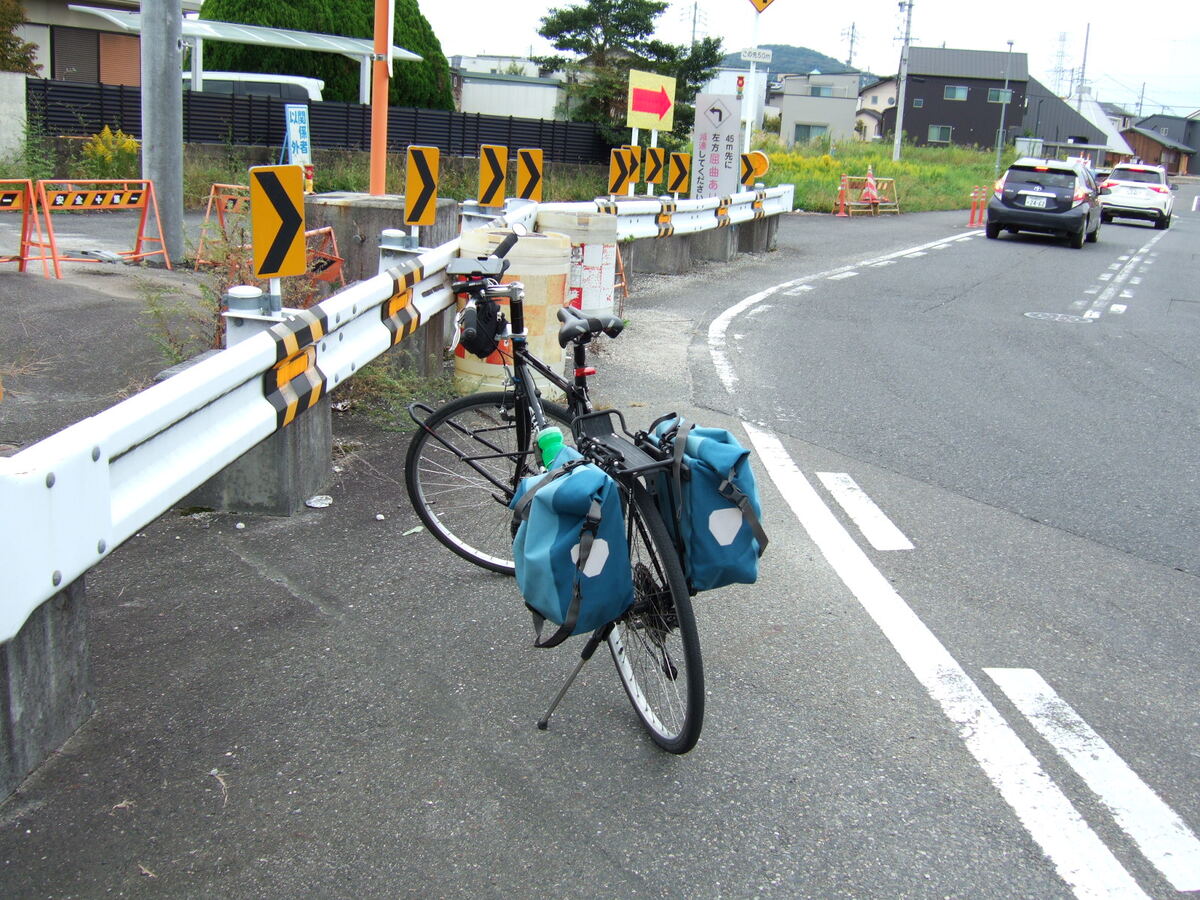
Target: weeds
point(36, 158)
point(179, 327)
point(382, 389)
point(110, 154)
point(927, 178)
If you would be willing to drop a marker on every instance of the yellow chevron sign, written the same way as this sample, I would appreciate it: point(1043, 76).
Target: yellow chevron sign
point(493, 168)
point(621, 170)
point(529, 174)
point(420, 186)
point(635, 155)
point(277, 221)
point(654, 164)
point(679, 173)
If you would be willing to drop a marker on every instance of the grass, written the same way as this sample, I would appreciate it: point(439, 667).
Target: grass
point(381, 391)
point(347, 170)
point(927, 178)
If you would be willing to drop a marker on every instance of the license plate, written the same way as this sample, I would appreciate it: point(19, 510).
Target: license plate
point(1036, 202)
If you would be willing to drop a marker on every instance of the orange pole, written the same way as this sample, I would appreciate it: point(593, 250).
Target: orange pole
point(379, 100)
point(842, 198)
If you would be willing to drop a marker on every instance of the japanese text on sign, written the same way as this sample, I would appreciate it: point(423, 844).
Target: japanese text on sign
point(299, 145)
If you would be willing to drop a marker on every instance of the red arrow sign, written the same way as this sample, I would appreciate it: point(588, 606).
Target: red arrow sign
point(654, 102)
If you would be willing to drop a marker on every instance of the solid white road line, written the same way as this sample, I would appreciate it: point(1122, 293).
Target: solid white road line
point(1079, 856)
point(842, 275)
point(875, 526)
point(718, 326)
point(1160, 834)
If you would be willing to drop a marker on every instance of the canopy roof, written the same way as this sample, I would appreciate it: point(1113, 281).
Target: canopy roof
point(203, 29)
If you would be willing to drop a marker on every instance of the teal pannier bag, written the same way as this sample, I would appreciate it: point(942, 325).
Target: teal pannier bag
point(709, 501)
point(570, 551)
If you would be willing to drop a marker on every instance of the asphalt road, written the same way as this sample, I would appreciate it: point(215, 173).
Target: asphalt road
point(328, 706)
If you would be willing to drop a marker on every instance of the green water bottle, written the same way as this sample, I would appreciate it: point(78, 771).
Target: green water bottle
point(549, 441)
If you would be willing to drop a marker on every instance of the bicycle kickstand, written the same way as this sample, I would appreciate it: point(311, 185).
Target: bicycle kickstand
point(599, 636)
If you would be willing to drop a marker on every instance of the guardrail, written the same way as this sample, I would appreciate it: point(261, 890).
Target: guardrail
point(71, 499)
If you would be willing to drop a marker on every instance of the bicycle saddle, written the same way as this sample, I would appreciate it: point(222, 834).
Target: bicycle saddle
point(576, 325)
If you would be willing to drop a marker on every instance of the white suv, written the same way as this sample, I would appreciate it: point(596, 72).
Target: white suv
point(1137, 191)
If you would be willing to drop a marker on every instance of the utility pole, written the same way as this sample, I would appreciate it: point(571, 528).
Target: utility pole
point(1141, 99)
point(1083, 66)
point(852, 34)
point(1005, 97)
point(162, 115)
point(907, 6)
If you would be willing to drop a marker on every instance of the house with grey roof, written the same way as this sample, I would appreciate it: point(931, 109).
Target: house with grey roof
point(1175, 135)
point(1154, 147)
point(956, 96)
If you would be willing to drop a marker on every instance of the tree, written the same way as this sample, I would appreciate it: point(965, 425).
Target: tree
point(16, 55)
point(610, 37)
point(424, 84)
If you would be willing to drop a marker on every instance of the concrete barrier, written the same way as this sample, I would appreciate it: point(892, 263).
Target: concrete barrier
point(45, 676)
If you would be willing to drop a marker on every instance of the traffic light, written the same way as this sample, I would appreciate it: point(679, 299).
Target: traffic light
point(741, 84)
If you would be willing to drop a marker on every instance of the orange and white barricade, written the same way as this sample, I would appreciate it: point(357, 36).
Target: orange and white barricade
point(224, 200)
point(324, 261)
point(867, 195)
point(101, 195)
point(17, 195)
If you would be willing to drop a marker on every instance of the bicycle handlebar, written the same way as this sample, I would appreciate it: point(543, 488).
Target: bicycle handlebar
point(505, 245)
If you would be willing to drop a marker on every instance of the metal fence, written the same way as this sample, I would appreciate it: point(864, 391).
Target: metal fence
point(69, 500)
point(70, 108)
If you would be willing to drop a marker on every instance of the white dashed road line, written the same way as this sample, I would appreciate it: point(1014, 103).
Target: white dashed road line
point(1076, 852)
point(875, 526)
point(1160, 834)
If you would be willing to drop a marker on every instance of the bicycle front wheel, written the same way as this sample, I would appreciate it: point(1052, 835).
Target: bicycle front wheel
point(462, 467)
point(655, 645)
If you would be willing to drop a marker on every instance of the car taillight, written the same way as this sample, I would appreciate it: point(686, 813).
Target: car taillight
point(1081, 195)
point(998, 187)
point(1106, 184)
point(1160, 188)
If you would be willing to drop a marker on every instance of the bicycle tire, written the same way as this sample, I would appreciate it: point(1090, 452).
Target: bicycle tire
point(459, 505)
point(657, 638)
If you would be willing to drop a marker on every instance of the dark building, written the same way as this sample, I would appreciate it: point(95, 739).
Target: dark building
point(1177, 139)
point(956, 96)
point(1156, 149)
point(1055, 121)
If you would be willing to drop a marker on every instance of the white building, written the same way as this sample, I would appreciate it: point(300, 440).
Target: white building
point(817, 105)
point(872, 101)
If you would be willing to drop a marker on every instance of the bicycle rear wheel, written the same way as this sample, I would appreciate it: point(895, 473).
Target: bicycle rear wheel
point(462, 467)
point(655, 645)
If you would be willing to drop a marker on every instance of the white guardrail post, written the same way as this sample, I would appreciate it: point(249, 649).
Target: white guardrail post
point(71, 499)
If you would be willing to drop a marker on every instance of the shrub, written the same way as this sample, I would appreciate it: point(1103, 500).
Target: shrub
point(110, 155)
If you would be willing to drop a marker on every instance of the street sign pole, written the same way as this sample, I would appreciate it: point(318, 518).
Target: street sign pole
point(634, 141)
point(653, 143)
point(753, 88)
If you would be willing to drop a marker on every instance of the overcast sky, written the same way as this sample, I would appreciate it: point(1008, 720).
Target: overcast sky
point(1157, 44)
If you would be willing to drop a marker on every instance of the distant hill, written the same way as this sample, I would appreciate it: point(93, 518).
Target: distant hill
point(788, 60)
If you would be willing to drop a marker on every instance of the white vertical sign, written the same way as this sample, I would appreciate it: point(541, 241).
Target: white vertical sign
point(716, 151)
point(299, 143)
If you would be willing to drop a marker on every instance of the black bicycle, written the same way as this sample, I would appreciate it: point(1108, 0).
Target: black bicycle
point(468, 456)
